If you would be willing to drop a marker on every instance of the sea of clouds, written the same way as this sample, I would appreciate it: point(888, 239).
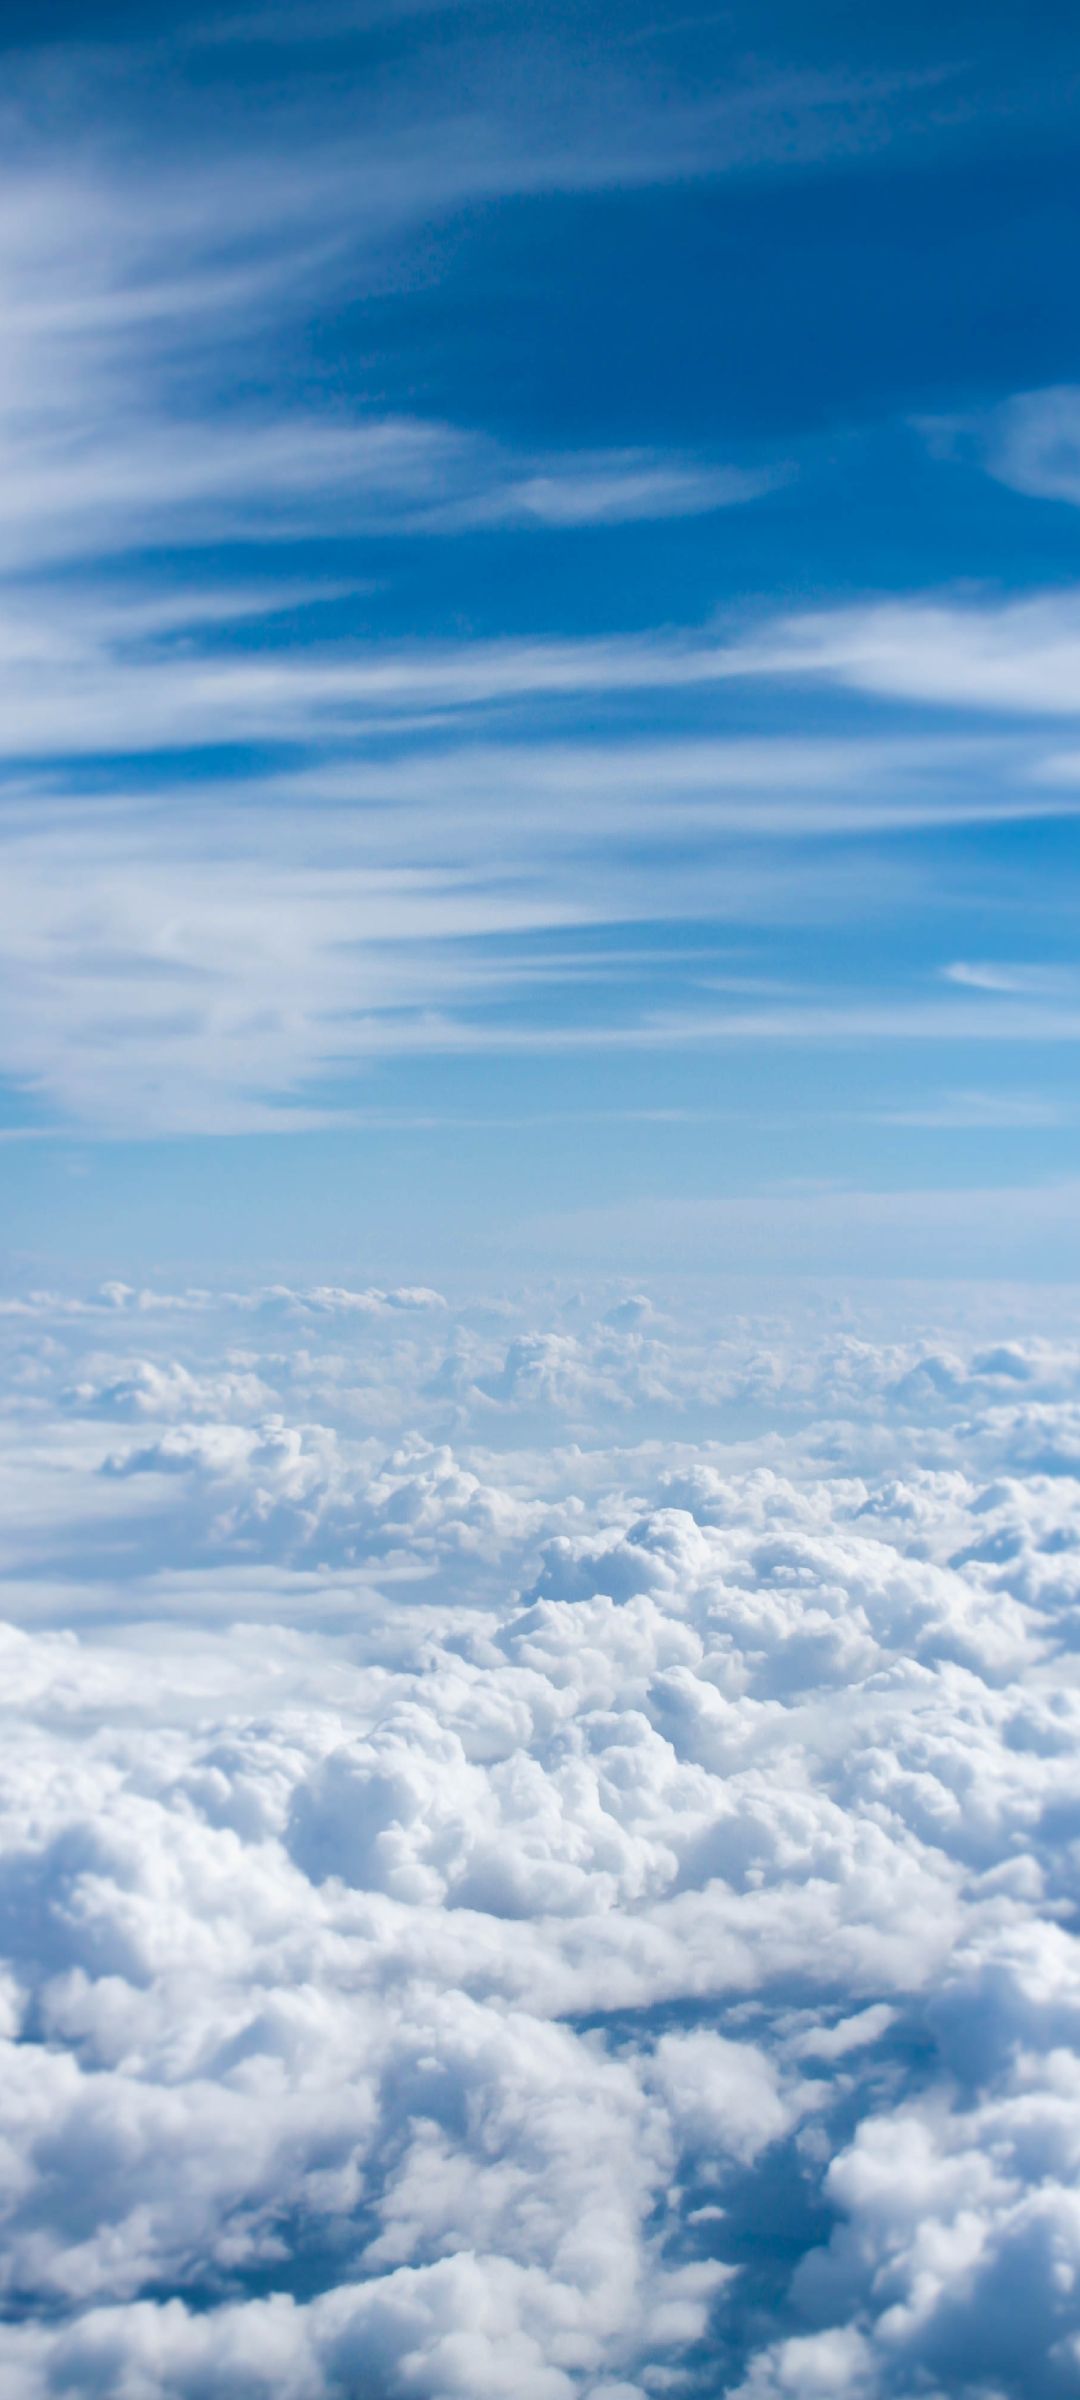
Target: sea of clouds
point(539, 1848)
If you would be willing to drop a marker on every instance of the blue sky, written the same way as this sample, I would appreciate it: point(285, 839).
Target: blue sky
point(541, 639)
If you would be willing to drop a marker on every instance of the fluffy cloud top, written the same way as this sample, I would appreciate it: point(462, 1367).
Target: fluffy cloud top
point(548, 1866)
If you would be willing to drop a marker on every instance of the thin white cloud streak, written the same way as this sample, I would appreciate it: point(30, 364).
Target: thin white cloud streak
point(81, 672)
point(137, 289)
point(982, 1111)
point(182, 964)
point(1016, 978)
point(64, 693)
point(686, 787)
point(608, 488)
point(965, 1231)
point(1035, 444)
point(134, 293)
point(161, 999)
point(67, 494)
point(1017, 658)
point(1031, 442)
point(200, 960)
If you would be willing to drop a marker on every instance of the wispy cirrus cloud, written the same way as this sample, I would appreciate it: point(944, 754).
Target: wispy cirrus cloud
point(1016, 657)
point(982, 1112)
point(108, 669)
point(224, 977)
point(214, 954)
point(187, 950)
point(189, 485)
point(1031, 441)
point(144, 297)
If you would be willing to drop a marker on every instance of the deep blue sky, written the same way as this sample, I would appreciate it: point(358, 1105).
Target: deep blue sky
point(541, 652)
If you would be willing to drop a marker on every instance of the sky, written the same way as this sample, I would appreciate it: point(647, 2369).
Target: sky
point(540, 1291)
point(541, 653)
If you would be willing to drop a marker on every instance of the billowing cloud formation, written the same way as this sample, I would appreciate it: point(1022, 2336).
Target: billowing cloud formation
point(548, 1867)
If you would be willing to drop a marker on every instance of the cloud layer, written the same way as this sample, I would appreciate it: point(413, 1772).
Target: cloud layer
point(547, 1866)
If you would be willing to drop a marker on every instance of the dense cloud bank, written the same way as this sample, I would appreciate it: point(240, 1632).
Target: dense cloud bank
point(539, 1852)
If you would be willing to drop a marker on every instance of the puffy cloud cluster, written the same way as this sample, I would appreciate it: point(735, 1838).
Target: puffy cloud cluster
point(539, 1853)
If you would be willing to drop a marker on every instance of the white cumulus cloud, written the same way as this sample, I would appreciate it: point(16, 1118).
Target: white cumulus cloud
point(488, 1913)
